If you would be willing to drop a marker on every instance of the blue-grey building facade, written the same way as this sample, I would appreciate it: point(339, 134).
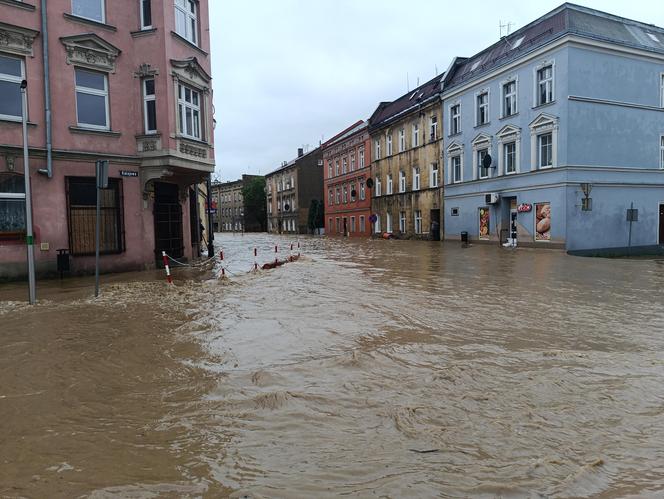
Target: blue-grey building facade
point(570, 109)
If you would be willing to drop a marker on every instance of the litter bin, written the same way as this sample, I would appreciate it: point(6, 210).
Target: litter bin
point(464, 237)
point(63, 261)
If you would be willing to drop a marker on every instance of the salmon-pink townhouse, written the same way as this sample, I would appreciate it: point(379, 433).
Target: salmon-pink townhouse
point(122, 80)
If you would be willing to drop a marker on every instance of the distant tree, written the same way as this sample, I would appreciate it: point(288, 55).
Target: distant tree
point(255, 205)
point(316, 215)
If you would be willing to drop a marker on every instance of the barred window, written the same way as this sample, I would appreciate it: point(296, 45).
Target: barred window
point(81, 211)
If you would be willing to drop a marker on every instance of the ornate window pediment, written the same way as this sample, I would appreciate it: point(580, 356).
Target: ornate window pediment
point(543, 122)
point(481, 141)
point(17, 40)
point(454, 147)
point(190, 69)
point(90, 51)
point(508, 132)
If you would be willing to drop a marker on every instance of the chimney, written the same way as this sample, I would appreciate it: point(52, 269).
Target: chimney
point(300, 152)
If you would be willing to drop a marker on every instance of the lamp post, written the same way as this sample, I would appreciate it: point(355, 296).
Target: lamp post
point(29, 236)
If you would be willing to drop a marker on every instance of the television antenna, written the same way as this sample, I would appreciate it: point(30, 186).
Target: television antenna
point(507, 26)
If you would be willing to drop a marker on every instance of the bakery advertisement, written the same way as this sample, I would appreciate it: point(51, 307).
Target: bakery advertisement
point(484, 223)
point(543, 222)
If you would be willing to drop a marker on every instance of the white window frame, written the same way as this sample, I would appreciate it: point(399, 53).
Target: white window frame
point(377, 148)
point(455, 149)
point(388, 222)
point(536, 82)
point(402, 181)
point(456, 180)
point(661, 151)
point(514, 97)
point(93, 91)
point(345, 194)
point(361, 157)
point(336, 167)
point(363, 192)
point(433, 175)
point(388, 185)
point(402, 140)
point(416, 135)
point(480, 143)
point(337, 196)
point(480, 169)
point(377, 187)
point(329, 168)
point(479, 106)
point(402, 222)
point(352, 225)
point(13, 79)
point(377, 224)
point(542, 125)
point(541, 136)
point(141, 4)
point(389, 144)
point(433, 128)
point(416, 178)
point(352, 161)
point(455, 118)
point(505, 147)
point(182, 6)
point(149, 98)
point(183, 105)
point(417, 219)
point(344, 165)
point(507, 135)
point(103, 12)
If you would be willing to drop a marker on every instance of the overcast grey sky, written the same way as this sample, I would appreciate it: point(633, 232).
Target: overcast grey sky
point(289, 73)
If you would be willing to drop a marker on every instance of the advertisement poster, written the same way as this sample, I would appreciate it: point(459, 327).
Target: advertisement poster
point(484, 223)
point(543, 222)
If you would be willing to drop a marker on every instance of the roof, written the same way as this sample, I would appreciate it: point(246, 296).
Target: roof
point(387, 112)
point(293, 161)
point(348, 132)
point(566, 19)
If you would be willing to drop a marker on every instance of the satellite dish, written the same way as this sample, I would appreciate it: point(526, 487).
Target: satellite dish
point(353, 193)
point(370, 183)
point(286, 207)
point(486, 162)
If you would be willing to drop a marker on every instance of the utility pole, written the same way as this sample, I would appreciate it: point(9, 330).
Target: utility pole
point(29, 236)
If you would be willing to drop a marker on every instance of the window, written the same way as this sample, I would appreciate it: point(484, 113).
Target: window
point(91, 99)
point(433, 175)
point(389, 145)
point(416, 135)
point(352, 162)
point(388, 222)
point(345, 194)
point(482, 109)
point(330, 197)
point(186, 20)
point(336, 167)
point(456, 168)
point(352, 224)
point(90, 9)
point(377, 224)
point(509, 99)
point(362, 224)
point(338, 196)
point(388, 189)
point(418, 221)
point(377, 188)
point(545, 85)
point(11, 76)
point(544, 150)
point(189, 107)
point(433, 128)
point(481, 154)
point(402, 140)
point(402, 222)
point(509, 157)
point(661, 152)
point(344, 165)
point(363, 193)
point(402, 181)
point(377, 143)
point(12, 206)
point(362, 157)
point(149, 106)
point(353, 193)
point(661, 90)
point(416, 178)
point(455, 119)
point(146, 14)
point(338, 225)
point(329, 169)
point(81, 210)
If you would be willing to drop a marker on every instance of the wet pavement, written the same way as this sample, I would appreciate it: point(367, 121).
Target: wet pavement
point(365, 369)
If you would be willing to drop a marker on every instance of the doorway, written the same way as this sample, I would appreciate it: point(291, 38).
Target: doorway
point(435, 225)
point(167, 221)
point(661, 224)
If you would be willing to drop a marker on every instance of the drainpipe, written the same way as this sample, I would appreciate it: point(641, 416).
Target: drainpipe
point(47, 94)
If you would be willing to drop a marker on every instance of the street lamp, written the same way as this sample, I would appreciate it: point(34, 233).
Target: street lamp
point(29, 237)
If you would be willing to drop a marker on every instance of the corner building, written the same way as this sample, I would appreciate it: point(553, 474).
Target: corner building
point(129, 82)
point(407, 175)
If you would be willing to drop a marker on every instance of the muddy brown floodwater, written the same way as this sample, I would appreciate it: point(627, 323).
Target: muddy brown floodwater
point(365, 369)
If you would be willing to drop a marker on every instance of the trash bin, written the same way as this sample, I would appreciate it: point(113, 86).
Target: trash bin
point(63, 261)
point(464, 237)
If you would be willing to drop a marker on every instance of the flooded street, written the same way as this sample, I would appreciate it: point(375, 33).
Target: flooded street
point(365, 369)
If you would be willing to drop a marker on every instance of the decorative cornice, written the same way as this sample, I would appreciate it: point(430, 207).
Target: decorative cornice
point(91, 51)
point(145, 70)
point(16, 39)
point(192, 68)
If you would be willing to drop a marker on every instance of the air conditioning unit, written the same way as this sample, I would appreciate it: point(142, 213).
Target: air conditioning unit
point(491, 198)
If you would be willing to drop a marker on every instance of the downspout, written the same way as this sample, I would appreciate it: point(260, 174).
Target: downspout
point(47, 94)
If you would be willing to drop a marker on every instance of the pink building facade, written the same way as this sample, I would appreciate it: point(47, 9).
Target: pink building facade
point(129, 82)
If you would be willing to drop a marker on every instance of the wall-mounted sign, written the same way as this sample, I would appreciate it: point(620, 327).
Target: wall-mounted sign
point(373, 218)
point(128, 173)
point(524, 208)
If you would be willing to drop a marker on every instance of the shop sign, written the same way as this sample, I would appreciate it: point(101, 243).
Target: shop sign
point(524, 208)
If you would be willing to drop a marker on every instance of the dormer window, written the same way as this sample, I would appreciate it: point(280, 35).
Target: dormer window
point(89, 9)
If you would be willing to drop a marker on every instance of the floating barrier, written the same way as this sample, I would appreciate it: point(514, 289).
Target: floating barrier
point(169, 278)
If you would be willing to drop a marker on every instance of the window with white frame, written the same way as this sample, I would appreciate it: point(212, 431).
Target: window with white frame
point(416, 135)
point(377, 148)
point(189, 112)
point(362, 224)
point(418, 221)
point(402, 222)
point(416, 178)
point(661, 89)
point(344, 165)
point(509, 157)
point(338, 196)
point(509, 99)
point(456, 168)
point(186, 20)
point(388, 222)
point(433, 175)
point(389, 144)
point(352, 161)
point(146, 14)
point(11, 76)
point(661, 152)
point(377, 224)
point(345, 195)
point(545, 150)
point(330, 197)
point(388, 186)
point(149, 106)
point(482, 103)
point(481, 154)
point(353, 193)
point(377, 187)
point(455, 119)
point(91, 99)
point(433, 128)
point(402, 140)
point(12, 207)
point(402, 181)
point(336, 167)
point(329, 168)
point(544, 85)
point(363, 193)
point(361, 153)
point(89, 9)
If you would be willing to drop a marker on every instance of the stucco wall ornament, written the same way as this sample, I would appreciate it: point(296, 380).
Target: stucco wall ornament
point(16, 39)
point(90, 51)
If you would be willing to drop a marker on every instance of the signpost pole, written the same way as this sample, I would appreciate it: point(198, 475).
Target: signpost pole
point(101, 167)
point(631, 219)
point(30, 237)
